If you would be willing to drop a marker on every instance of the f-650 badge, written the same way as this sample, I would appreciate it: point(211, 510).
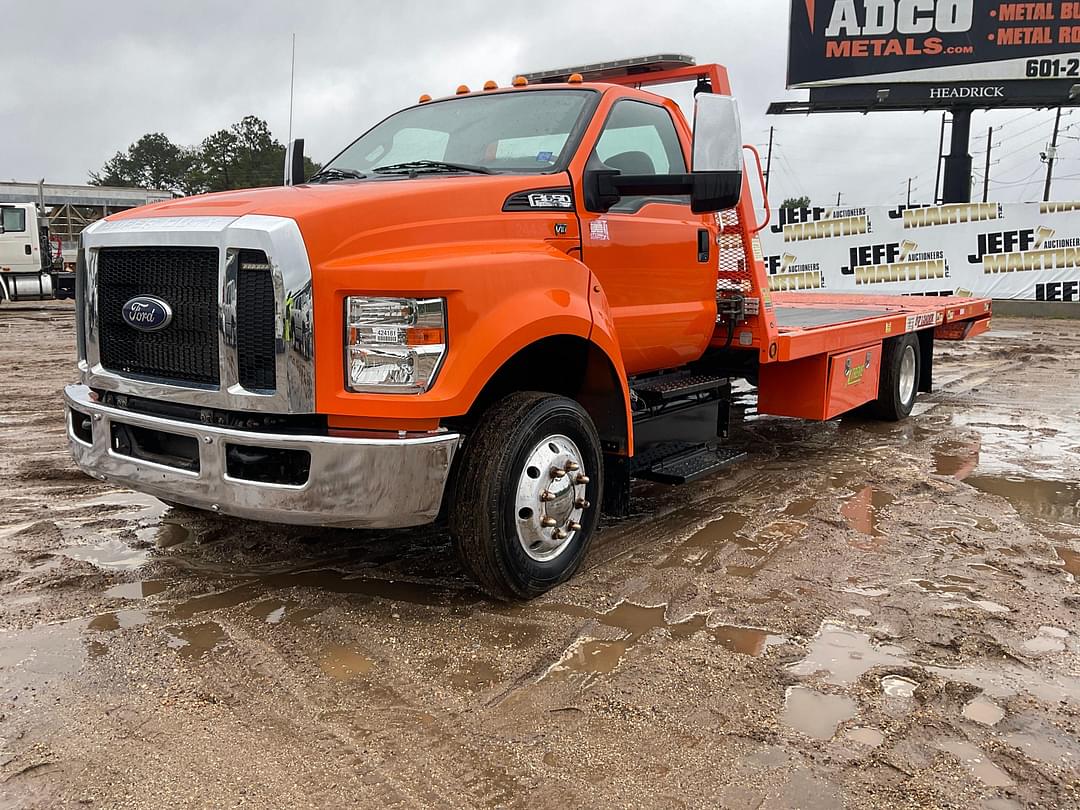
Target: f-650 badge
point(146, 313)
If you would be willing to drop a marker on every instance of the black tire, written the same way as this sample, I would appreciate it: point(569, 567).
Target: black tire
point(892, 405)
point(484, 514)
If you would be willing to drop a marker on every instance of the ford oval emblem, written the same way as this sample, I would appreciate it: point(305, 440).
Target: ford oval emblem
point(147, 313)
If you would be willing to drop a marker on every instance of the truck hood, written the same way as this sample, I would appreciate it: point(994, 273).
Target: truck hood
point(348, 218)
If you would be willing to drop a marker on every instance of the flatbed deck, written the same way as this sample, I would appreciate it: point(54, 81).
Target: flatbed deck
point(816, 323)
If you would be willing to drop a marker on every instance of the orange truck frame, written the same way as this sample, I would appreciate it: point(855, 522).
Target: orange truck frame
point(501, 307)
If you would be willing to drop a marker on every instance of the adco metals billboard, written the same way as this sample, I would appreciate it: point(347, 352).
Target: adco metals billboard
point(957, 42)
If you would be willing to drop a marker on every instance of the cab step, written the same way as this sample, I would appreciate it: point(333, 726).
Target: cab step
point(689, 464)
point(656, 391)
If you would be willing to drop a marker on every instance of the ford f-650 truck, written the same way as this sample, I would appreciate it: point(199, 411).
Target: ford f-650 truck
point(501, 306)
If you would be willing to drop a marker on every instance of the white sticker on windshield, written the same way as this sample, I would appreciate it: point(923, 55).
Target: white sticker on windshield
point(598, 230)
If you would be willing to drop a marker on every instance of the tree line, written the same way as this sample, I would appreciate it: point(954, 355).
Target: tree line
point(245, 155)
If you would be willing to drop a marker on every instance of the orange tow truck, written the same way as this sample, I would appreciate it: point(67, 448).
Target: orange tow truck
point(501, 306)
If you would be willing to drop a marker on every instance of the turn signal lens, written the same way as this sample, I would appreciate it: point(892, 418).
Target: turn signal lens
point(393, 345)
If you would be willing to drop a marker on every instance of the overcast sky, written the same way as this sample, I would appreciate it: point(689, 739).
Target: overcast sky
point(83, 80)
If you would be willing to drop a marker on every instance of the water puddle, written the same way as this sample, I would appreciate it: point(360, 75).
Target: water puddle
point(1049, 640)
point(118, 620)
point(980, 765)
point(136, 590)
point(896, 686)
point(868, 592)
point(1047, 744)
point(1071, 559)
point(984, 711)
point(765, 544)
point(801, 508)
point(844, 655)
point(593, 657)
point(862, 509)
point(196, 641)
point(700, 548)
point(344, 663)
point(956, 591)
point(110, 554)
point(475, 676)
point(865, 735)
point(816, 714)
point(1050, 500)
point(957, 459)
point(39, 655)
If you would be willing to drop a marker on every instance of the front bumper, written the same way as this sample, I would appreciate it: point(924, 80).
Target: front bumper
point(358, 483)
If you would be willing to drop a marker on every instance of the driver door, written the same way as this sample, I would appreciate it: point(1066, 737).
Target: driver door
point(652, 255)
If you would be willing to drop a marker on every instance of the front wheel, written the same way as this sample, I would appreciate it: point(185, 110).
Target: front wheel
point(525, 500)
point(901, 365)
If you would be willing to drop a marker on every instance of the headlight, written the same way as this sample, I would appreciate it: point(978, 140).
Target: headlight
point(393, 345)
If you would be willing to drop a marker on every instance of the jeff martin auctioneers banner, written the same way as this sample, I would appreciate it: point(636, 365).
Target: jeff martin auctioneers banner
point(1025, 251)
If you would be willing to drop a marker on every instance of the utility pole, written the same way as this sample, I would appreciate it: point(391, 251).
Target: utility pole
point(839, 194)
point(909, 192)
point(292, 83)
point(957, 185)
point(768, 160)
point(1051, 154)
point(986, 178)
point(940, 157)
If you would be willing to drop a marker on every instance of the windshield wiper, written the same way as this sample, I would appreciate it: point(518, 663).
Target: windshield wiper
point(334, 173)
point(417, 166)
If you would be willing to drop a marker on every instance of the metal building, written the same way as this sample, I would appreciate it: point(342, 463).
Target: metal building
point(72, 208)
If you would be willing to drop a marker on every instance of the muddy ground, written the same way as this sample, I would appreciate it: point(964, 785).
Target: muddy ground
point(859, 615)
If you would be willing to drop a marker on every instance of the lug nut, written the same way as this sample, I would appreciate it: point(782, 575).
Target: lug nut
point(547, 495)
point(556, 473)
point(582, 479)
point(575, 527)
point(572, 466)
point(581, 503)
point(549, 523)
point(560, 534)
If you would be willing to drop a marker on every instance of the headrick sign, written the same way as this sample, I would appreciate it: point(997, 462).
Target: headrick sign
point(977, 43)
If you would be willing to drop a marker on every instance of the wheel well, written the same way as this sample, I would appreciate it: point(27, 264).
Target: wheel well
point(569, 366)
point(926, 355)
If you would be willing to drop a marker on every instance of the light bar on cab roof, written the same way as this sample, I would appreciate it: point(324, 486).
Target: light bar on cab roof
point(607, 70)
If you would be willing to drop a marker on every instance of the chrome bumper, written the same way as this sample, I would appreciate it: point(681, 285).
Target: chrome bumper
point(359, 483)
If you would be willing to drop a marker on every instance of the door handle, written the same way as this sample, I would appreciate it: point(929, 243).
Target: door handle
point(703, 241)
point(29, 250)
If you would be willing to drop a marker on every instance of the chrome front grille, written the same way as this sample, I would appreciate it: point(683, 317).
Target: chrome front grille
point(240, 294)
point(186, 351)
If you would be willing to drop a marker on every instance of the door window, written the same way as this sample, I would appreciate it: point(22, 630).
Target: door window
point(640, 138)
point(12, 219)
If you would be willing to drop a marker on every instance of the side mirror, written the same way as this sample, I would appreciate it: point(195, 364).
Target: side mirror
point(294, 163)
point(718, 162)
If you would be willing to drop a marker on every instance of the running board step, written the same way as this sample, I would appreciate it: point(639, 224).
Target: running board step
point(659, 390)
point(691, 465)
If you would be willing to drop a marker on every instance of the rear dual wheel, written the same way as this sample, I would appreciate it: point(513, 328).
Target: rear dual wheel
point(525, 499)
point(901, 366)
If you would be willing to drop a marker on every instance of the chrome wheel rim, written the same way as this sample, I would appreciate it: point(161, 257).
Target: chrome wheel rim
point(907, 375)
point(550, 498)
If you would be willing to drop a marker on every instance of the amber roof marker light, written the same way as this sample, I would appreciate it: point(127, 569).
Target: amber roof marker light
point(491, 85)
point(521, 81)
point(462, 89)
point(424, 99)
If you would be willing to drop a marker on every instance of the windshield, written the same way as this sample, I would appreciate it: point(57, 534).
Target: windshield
point(512, 132)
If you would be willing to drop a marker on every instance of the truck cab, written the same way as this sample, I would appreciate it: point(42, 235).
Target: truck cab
point(25, 253)
point(500, 306)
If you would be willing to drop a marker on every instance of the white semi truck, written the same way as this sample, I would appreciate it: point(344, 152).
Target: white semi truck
point(29, 259)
